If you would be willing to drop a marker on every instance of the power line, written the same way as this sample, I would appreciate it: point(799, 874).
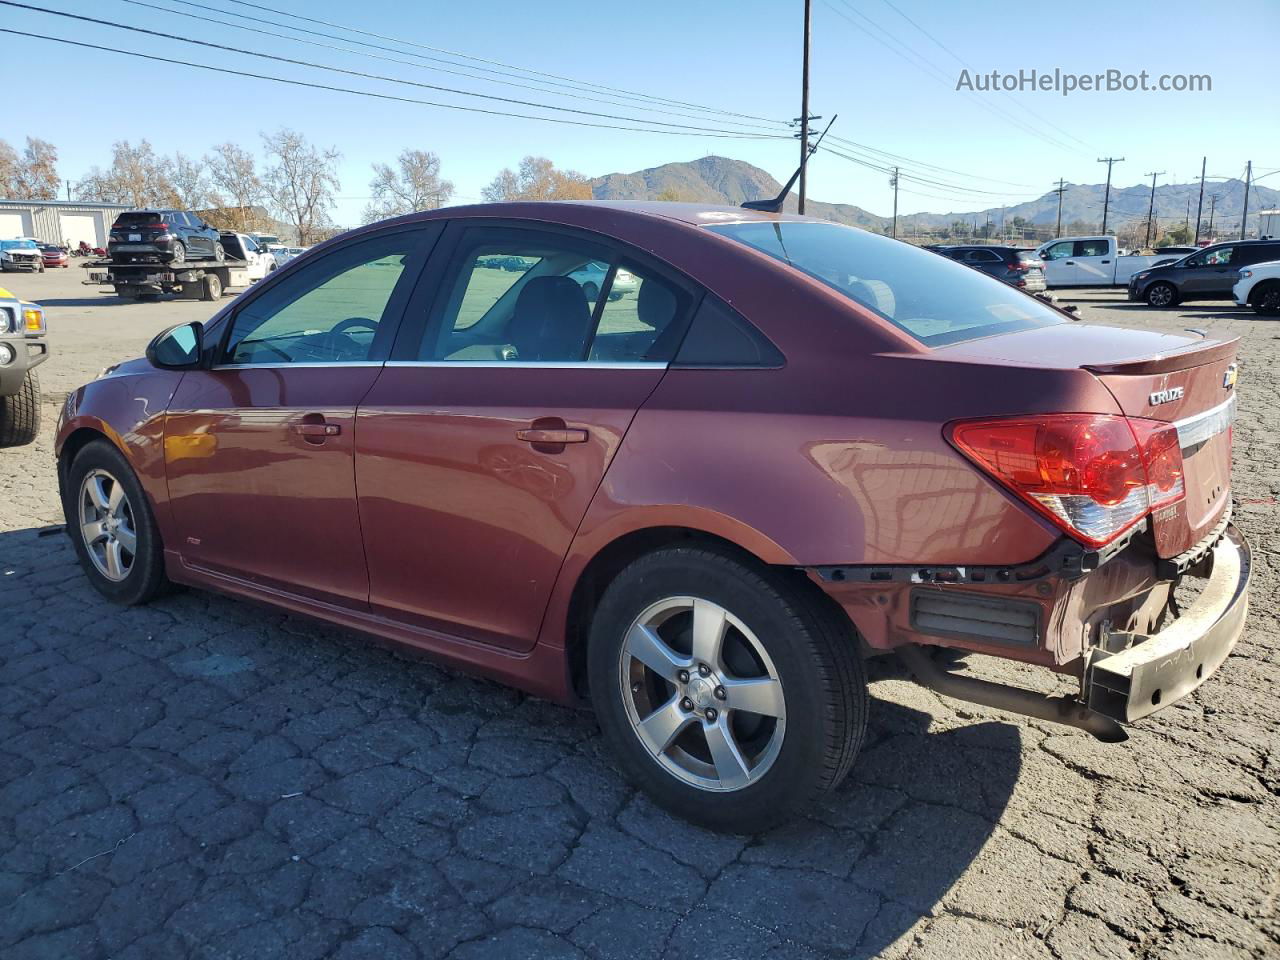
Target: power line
point(257, 30)
point(459, 55)
point(360, 73)
point(370, 93)
point(951, 53)
point(920, 63)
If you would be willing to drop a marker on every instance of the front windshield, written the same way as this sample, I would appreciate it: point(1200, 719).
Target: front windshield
point(18, 245)
point(931, 297)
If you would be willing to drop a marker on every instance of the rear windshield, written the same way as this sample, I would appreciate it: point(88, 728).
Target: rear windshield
point(1027, 255)
point(137, 219)
point(932, 298)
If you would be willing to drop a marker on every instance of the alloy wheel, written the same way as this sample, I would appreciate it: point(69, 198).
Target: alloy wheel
point(702, 694)
point(107, 525)
point(1160, 296)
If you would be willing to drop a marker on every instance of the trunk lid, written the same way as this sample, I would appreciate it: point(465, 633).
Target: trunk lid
point(1185, 380)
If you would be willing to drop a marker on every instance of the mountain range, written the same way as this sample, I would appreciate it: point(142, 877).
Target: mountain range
point(725, 180)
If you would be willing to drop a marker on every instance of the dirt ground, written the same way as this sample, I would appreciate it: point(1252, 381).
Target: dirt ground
point(202, 777)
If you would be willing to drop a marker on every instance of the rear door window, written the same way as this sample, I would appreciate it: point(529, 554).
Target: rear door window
point(527, 296)
point(1091, 248)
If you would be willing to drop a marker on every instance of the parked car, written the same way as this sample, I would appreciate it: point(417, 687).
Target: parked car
point(241, 246)
point(283, 254)
point(1259, 287)
point(19, 255)
point(22, 348)
point(54, 255)
point(800, 444)
point(1090, 262)
point(169, 236)
point(1208, 274)
point(591, 278)
point(1015, 266)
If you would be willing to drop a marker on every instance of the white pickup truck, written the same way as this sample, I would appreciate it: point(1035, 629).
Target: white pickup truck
point(1093, 262)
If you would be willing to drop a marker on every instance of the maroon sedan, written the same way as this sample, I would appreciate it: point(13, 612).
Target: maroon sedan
point(55, 256)
point(788, 446)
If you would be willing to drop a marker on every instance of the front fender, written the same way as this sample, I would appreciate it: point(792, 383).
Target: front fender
point(127, 407)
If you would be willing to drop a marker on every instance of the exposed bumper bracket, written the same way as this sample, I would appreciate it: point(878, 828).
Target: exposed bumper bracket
point(1065, 710)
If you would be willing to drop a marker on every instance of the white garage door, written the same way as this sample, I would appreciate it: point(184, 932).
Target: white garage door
point(12, 225)
point(81, 226)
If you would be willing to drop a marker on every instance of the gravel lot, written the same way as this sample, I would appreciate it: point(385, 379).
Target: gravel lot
point(208, 778)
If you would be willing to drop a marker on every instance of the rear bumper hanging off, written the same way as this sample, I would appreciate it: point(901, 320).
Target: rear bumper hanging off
point(1164, 667)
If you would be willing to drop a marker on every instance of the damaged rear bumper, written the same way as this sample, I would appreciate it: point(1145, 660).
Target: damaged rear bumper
point(1155, 671)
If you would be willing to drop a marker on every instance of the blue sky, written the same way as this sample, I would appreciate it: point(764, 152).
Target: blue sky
point(892, 85)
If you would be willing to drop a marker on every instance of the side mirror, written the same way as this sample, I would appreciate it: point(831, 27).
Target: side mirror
point(178, 348)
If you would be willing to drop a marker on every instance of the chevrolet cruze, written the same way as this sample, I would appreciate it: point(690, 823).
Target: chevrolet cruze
point(789, 446)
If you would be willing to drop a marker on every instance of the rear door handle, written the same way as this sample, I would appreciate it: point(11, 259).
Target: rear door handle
point(1071, 263)
point(564, 435)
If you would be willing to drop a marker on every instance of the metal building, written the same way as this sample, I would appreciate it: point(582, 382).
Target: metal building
point(59, 221)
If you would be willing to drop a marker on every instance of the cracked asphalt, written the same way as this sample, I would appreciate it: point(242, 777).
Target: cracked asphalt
point(206, 778)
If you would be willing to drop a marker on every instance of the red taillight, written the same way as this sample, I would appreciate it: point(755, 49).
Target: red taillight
point(1093, 475)
point(1020, 265)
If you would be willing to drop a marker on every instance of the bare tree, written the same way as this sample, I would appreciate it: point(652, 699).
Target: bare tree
point(191, 187)
point(37, 177)
point(301, 181)
point(538, 179)
point(413, 185)
point(8, 170)
point(137, 177)
point(234, 174)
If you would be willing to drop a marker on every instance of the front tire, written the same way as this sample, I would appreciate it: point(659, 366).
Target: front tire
point(1266, 299)
point(727, 692)
point(219, 254)
point(1161, 295)
point(112, 527)
point(20, 413)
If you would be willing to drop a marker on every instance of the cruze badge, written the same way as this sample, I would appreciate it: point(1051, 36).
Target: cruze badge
point(1229, 378)
point(1164, 396)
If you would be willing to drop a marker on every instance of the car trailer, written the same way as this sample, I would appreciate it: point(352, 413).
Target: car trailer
point(193, 279)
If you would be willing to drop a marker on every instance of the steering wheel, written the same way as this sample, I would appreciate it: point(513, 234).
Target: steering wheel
point(342, 326)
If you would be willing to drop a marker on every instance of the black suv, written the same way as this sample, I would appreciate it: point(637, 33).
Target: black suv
point(1015, 266)
point(171, 236)
point(1207, 275)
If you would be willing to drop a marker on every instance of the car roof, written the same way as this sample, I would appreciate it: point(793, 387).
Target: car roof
point(697, 214)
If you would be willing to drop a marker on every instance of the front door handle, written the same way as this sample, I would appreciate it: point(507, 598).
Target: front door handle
point(320, 430)
point(561, 435)
point(1106, 261)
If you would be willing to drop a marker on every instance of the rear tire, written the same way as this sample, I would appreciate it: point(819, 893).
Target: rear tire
point(1161, 295)
point(1266, 299)
point(100, 472)
point(782, 651)
point(179, 254)
point(20, 413)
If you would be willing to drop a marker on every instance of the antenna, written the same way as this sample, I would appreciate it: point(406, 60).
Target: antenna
point(775, 205)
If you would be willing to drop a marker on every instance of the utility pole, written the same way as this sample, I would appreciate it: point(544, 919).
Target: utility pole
point(1151, 208)
point(804, 105)
point(893, 182)
point(986, 228)
point(1062, 188)
point(1106, 197)
point(1200, 202)
point(1244, 216)
point(1213, 202)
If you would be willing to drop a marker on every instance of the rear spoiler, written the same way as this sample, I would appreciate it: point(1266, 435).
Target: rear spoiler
point(1207, 352)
